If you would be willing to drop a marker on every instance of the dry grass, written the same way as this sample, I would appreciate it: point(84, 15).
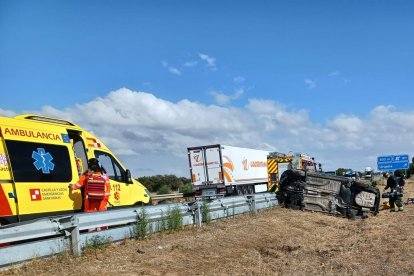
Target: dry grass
point(274, 242)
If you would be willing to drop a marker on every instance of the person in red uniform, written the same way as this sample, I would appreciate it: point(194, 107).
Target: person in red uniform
point(96, 185)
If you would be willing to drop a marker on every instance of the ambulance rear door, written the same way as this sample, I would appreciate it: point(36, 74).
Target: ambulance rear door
point(8, 202)
point(41, 161)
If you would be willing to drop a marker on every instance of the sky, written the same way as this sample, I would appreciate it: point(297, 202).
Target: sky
point(331, 79)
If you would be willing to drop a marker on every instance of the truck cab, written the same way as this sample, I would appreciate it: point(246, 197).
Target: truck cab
point(277, 163)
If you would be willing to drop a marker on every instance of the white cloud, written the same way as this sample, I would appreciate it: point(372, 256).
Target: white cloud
point(311, 84)
point(8, 113)
point(276, 117)
point(150, 135)
point(223, 99)
point(347, 124)
point(220, 98)
point(238, 93)
point(174, 71)
point(171, 69)
point(211, 61)
point(337, 74)
point(334, 74)
point(191, 63)
point(238, 79)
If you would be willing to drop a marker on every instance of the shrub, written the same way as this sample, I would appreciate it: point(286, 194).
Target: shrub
point(154, 183)
point(205, 212)
point(163, 223)
point(96, 243)
point(186, 188)
point(141, 227)
point(164, 190)
point(174, 219)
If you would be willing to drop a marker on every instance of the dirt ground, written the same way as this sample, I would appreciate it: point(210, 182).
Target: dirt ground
point(274, 242)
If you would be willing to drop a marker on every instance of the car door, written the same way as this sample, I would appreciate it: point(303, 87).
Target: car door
point(120, 189)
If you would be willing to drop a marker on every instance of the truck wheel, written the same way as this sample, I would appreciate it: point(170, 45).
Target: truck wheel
point(250, 189)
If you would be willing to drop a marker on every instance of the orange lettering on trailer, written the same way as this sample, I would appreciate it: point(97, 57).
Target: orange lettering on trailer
point(229, 166)
point(227, 176)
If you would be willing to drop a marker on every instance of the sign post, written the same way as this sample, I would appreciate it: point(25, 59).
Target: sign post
point(393, 162)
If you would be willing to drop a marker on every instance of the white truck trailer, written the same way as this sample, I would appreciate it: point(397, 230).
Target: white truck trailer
point(218, 170)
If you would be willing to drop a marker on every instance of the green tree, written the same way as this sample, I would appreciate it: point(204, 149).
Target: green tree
point(186, 188)
point(341, 171)
point(154, 183)
point(164, 190)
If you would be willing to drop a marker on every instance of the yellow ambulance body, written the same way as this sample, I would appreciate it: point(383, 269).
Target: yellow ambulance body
point(40, 156)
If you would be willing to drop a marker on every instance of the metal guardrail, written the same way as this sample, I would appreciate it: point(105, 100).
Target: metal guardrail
point(167, 196)
point(46, 237)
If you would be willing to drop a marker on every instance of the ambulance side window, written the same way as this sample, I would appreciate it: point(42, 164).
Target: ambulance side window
point(111, 166)
point(38, 162)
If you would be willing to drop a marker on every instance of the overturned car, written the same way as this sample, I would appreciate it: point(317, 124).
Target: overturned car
point(299, 189)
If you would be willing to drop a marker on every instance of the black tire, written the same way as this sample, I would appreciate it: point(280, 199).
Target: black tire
point(250, 189)
point(358, 186)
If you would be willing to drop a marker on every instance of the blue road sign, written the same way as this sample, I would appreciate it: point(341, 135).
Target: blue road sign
point(385, 159)
point(393, 162)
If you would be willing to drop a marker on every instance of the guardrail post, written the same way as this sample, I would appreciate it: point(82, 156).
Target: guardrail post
point(197, 217)
point(252, 202)
point(225, 210)
point(70, 226)
point(74, 238)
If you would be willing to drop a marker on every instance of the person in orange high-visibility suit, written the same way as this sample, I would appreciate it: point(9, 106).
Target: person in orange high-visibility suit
point(96, 185)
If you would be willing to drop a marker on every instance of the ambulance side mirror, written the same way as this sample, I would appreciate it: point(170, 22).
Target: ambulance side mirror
point(128, 177)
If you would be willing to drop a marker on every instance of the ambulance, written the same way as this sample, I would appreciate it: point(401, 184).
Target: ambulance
point(40, 156)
